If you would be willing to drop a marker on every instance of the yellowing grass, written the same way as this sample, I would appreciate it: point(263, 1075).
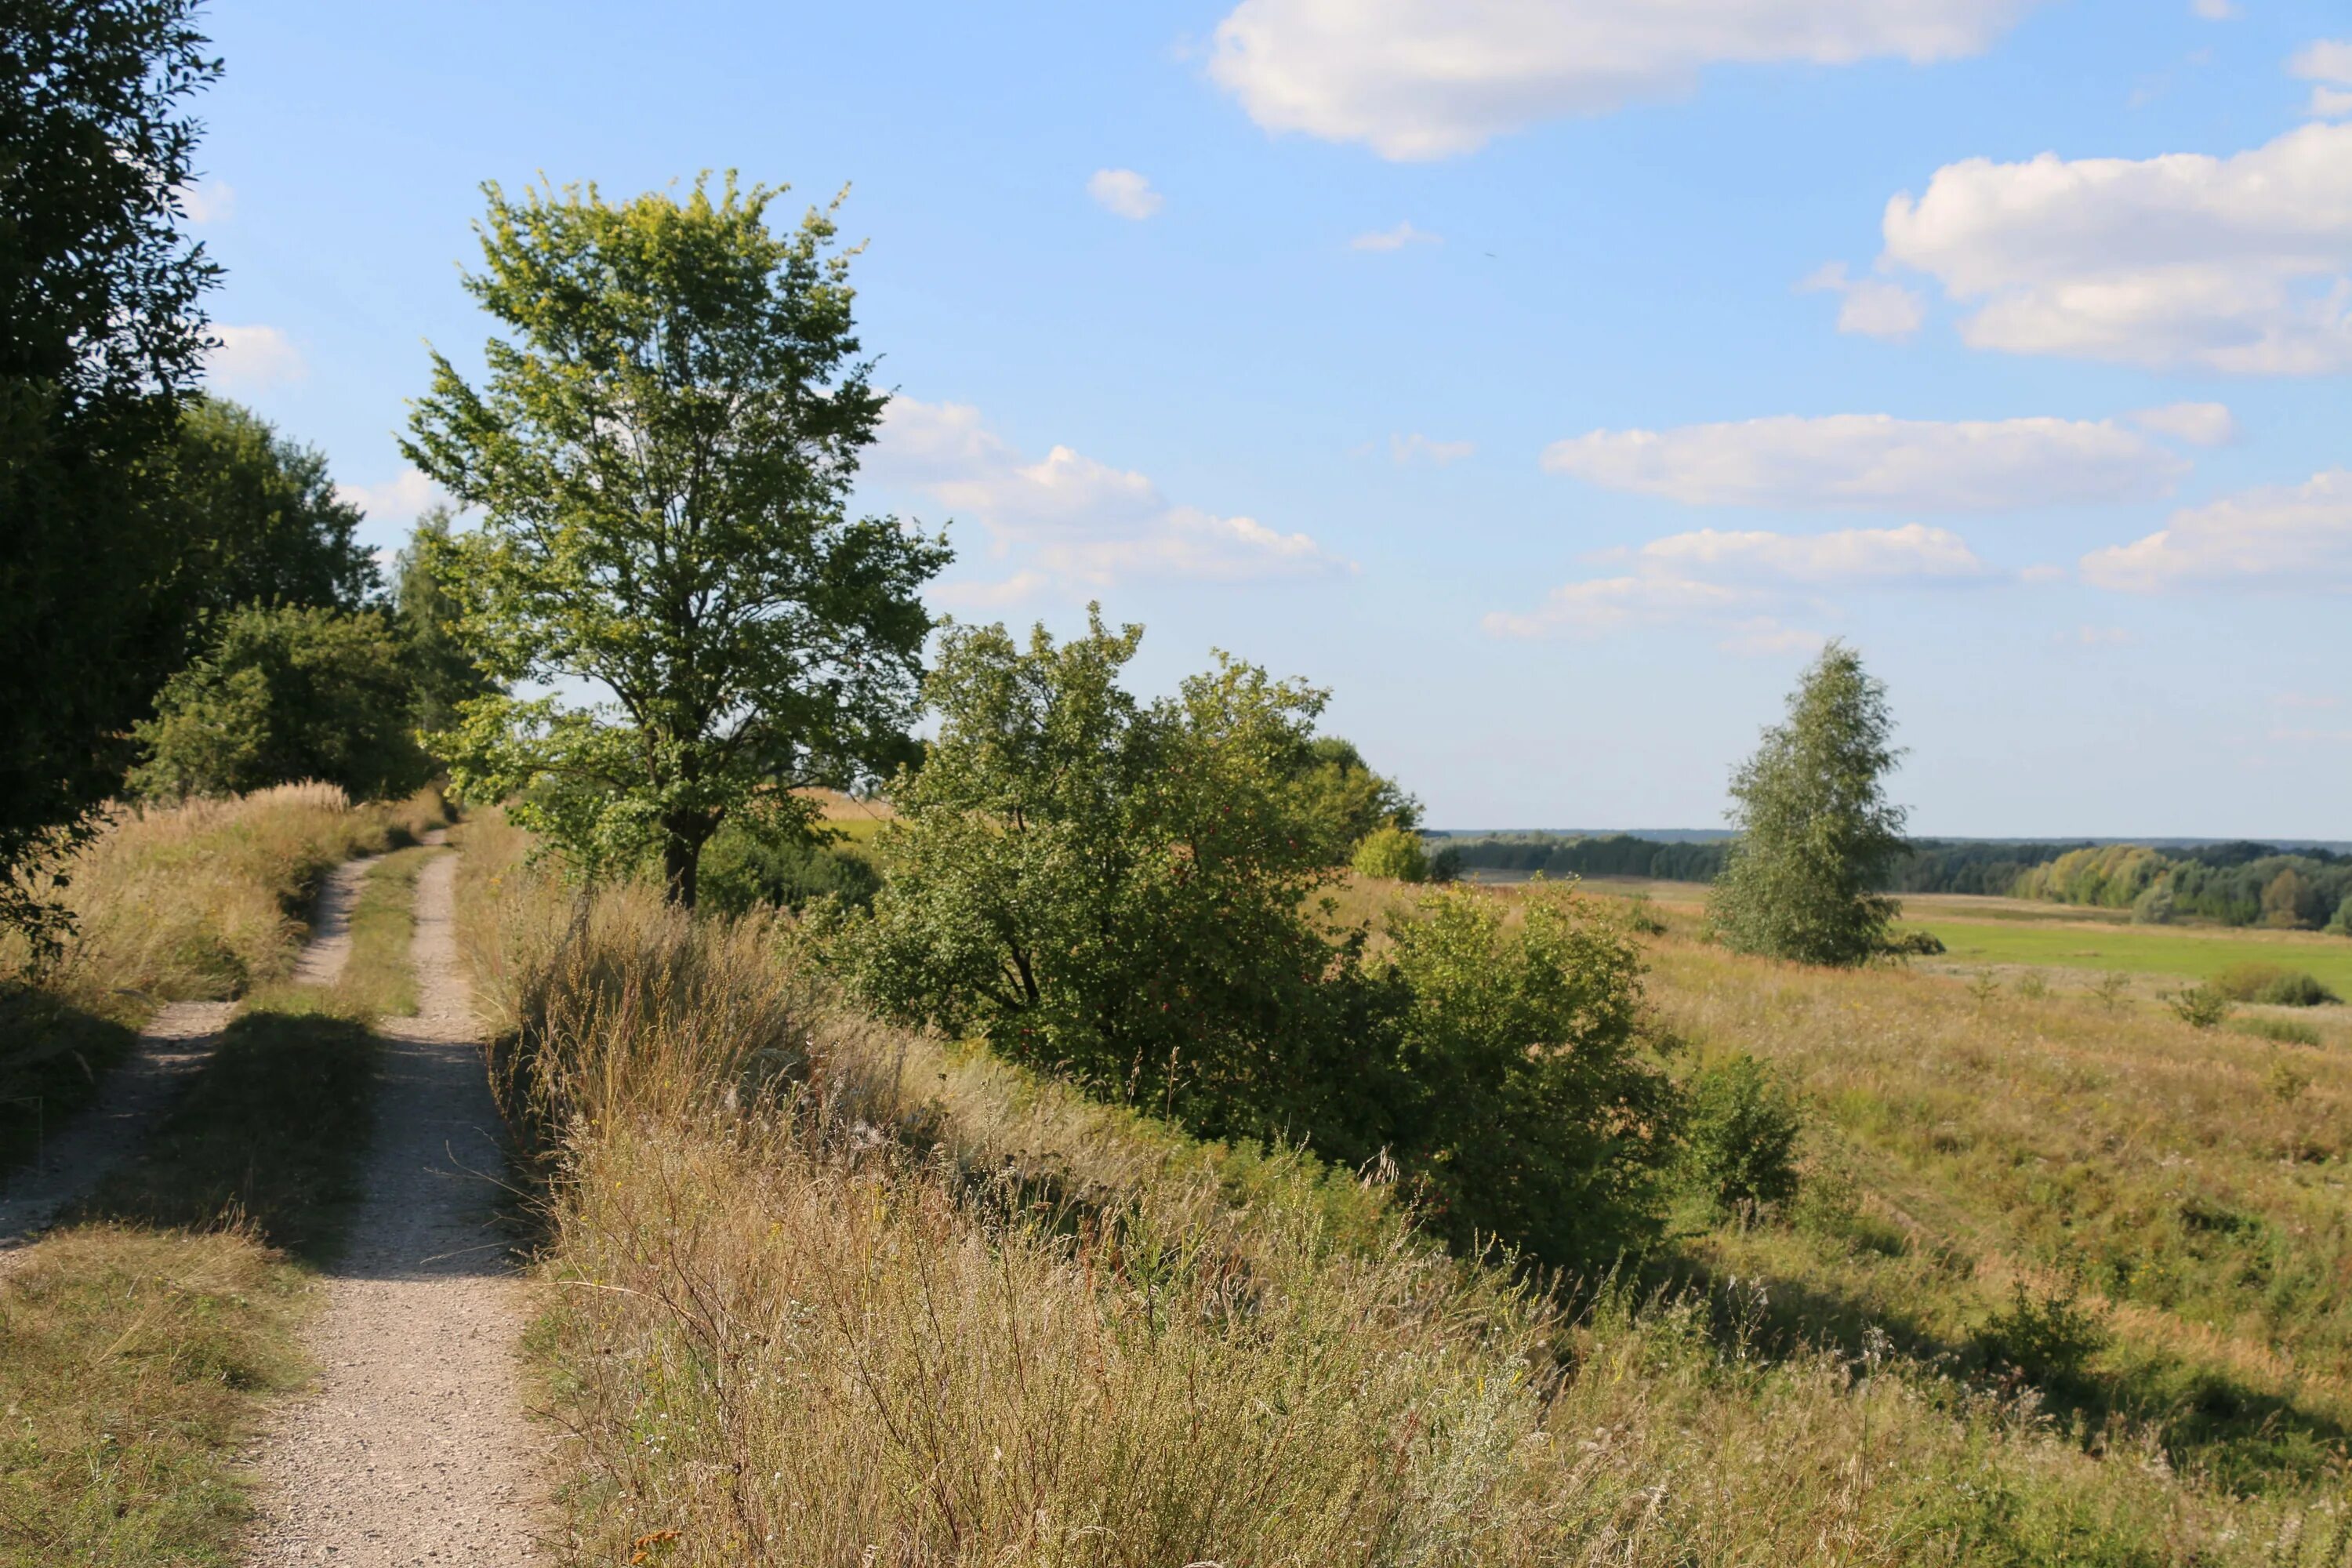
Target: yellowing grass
point(205, 900)
point(825, 1293)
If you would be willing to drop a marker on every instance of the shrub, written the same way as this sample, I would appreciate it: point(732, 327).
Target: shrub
point(744, 868)
point(2199, 1006)
point(1445, 866)
point(2154, 906)
point(2272, 986)
point(1739, 1140)
point(2049, 1336)
point(2283, 1031)
point(2342, 924)
point(1394, 853)
point(1914, 945)
point(285, 695)
point(1530, 1114)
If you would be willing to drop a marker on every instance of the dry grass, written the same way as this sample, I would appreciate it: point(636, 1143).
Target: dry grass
point(131, 1365)
point(825, 1293)
point(205, 900)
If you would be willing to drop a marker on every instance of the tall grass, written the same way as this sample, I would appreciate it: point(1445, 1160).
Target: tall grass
point(827, 1293)
point(205, 900)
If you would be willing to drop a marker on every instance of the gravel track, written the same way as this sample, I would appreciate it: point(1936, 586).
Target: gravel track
point(415, 1449)
point(137, 1092)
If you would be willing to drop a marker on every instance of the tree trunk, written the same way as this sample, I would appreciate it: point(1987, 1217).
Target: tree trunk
point(682, 860)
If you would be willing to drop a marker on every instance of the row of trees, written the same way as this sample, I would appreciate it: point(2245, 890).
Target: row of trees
point(189, 609)
point(2251, 884)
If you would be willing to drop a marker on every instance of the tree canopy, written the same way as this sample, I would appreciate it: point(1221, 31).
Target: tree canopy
point(663, 452)
point(283, 693)
point(100, 333)
point(259, 518)
point(1817, 834)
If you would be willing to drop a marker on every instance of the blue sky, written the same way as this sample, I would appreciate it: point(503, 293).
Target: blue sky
point(1547, 379)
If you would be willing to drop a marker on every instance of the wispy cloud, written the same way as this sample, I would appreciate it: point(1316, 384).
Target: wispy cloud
point(254, 359)
point(1071, 521)
point(1395, 238)
point(1124, 194)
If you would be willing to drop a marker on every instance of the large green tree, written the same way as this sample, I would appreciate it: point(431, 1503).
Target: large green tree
point(663, 452)
point(443, 674)
point(1817, 835)
point(283, 693)
point(100, 334)
point(259, 518)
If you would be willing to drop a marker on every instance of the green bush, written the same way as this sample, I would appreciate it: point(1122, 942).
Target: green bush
point(1119, 893)
point(2049, 1336)
point(2272, 986)
point(2283, 1031)
point(1530, 1113)
point(1739, 1137)
point(280, 695)
point(1395, 853)
point(2342, 924)
point(2199, 1006)
point(745, 869)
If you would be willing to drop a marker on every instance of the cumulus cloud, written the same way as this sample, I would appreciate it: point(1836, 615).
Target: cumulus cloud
point(253, 359)
point(2240, 264)
point(2282, 536)
point(1739, 582)
point(1072, 520)
point(398, 499)
point(1433, 79)
point(1874, 460)
point(1419, 448)
point(2214, 10)
point(1124, 193)
point(1395, 238)
point(2199, 424)
point(1870, 306)
point(2328, 63)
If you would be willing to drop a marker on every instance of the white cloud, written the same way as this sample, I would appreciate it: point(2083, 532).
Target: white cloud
point(2199, 424)
point(2328, 59)
point(2328, 63)
point(2101, 637)
point(253, 359)
point(1870, 306)
point(2240, 264)
point(1737, 580)
point(1072, 519)
point(1764, 637)
point(2284, 734)
point(1432, 79)
point(1406, 448)
point(1124, 193)
point(1395, 238)
point(2215, 10)
point(398, 499)
point(1019, 588)
point(209, 201)
point(2282, 536)
point(2306, 700)
point(1873, 460)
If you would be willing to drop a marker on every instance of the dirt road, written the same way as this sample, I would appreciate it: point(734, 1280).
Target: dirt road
point(414, 1449)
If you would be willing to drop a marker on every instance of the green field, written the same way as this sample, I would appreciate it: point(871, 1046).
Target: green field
point(2135, 950)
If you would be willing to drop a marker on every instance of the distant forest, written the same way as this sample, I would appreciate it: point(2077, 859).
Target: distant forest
point(2229, 884)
